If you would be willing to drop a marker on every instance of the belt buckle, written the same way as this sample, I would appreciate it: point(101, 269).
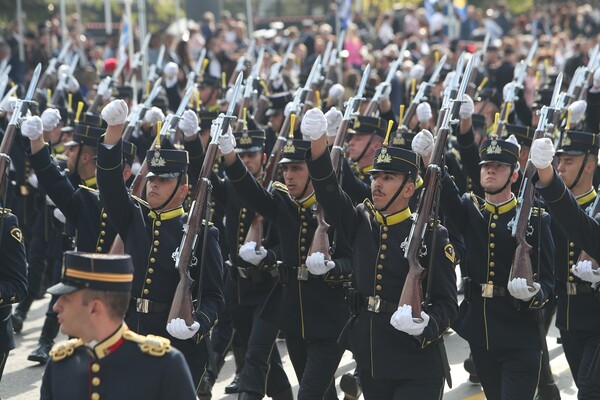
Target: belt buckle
point(571, 288)
point(242, 272)
point(142, 306)
point(373, 303)
point(302, 273)
point(487, 290)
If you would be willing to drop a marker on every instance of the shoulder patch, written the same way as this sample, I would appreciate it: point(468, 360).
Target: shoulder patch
point(475, 200)
point(156, 346)
point(141, 201)
point(16, 234)
point(89, 189)
point(280, 186)
point(449, 252)
point(65, 349)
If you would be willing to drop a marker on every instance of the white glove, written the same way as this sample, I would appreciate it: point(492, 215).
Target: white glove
point(115, 112)
point(32, 127)
point(506, 90)
point(403, 320)
point(541, 153)
point(50, 119)
point(577, 109)
point(314, 124)
point(289, 109)
point(385, 95)
point(417, 72)
point(226, 141)
point(153, 115)
point(519, 290)
point(597, 78)
point(72, 85)
point(249, 253)
point(336, 93)
point(33, 180)
point(135, 168)
point(49, 201)
point(424, 113)
point(448, 79)
point(8, 105)
point(317, 265)
point(59, 215)
point(334, 119)
point(170, 71)
point(229, 94)
point(584, 271)
point(179, 329)
point(466, 108)
point(422, 143)
point(513, 139)
point(189, 123)
point(274, 71)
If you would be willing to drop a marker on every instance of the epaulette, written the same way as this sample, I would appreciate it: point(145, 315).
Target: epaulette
point(456, 153)
point(95, 191)
point(156, 346)
point(142, 202)
point(369, 207)
point(65, 349)
point(475, 199)
point(280, 186)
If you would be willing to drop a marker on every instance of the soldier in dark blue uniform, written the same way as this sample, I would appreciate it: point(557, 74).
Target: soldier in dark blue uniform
point(309, 308)
point(570, 197)
point(397, 356)
point(13, 280)
point(105, 359)
point(151, 231)
point(498, 316)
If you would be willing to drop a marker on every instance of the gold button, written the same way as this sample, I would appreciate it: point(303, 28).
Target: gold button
point(152, 260)
point(384, 247)
point(146, 291)
point(571, 262)
point(156, 233)
point(95, 396)
point(379, 267)
point(304, 230)
point(158, 223)
point(241, 224)
point(102, 233)
point(243, 216)
point(155, 250)
point(95, 367)
point(303, 209)
point(382, 256)
point(99, 249)
point(571, 278)
point(571, 253)
point(378, 287)
point(150, 270)
point(156, 242)
point(492, 245)
point(148, 281)
point(492, 273)
point(101, 241)
point(492, 254)
point(244, 209)
point(104, 215)
point(302, 240)
point(302, 248)
point(96, 381)
point(571, 244)
point(492, 264)
point(103, 224)
point(492, 235)
point(302, 217)
point(493, 224)
point(495, 216)
point(379, 277)
point(242, 238)
point(305, 224)
point(385, 228)
point(490, 282)
point(303, 258)
point(384, 236)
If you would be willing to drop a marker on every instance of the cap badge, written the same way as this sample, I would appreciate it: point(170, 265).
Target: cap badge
point(384, 157)
point(289, 147)
point(494, 148)
point(245, 139)
point(157, 160)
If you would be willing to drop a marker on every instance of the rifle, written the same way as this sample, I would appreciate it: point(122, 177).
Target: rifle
point(521, 265)
point(412, 292)
point(19, 112)
point(276, 73)
point(477, 68)
point(156, 68)
point(587, 74)
point(374, 102)
point(249, 89)
point(185, 254)
point(137, 113)
point(320, 241)
point(51, 68)
point(62, 82)
point(423, 92)
point(105, 85)
point(240, 66)
point(255, 231)
point(199, 67)
point(138, 59)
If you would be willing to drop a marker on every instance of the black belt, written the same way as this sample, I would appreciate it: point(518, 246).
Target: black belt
point(488, 291)
point(145, 306)
point(377, 305)
point(575, 288)
point(254, 274)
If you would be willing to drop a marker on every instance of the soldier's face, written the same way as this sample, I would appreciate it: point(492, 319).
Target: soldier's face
point(295, 176)
point(72, 314)
point(253, 161)
point(568, 167)
point(158, 190)
point(494, 175)
point(356, 146)
point(383, 188)
point(71, 153)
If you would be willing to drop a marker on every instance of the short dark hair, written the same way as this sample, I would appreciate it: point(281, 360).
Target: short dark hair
point(116, 303)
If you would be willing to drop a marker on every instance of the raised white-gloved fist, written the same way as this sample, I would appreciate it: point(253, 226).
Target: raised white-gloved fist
point(72, 84)
point(115, 112)
point(189, 123)
point(8, 105)
point(32, 127)
point(314, 124)
point(422, 143)
point(170, 71)
point(506, 90)
point(59, 215)
point(249, 253)
point(334, 119)
point(448, 79)
point(153, 115)
point(519, 290)
point(226, 141)
point(403, 320)
point(541, 153)
point(577, 109)
point(179, 329)
point(229, 94)
point(33, 180)
point(466, 107)
point(317, 265)
point(417, 72)
point(584, 271)
point(50, 119)
point(424, 113)
point(336, 93)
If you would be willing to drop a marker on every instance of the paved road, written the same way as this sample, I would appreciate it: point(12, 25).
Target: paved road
point(22, 379)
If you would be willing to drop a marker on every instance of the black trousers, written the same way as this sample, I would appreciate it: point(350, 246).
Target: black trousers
point(262, 360)
point(508, 374)
point(3, 358)
point(315, 362)
point(583, 355)
point(430, 388)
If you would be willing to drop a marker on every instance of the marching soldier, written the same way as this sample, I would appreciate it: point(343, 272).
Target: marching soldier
point(570, 197)
point(105, 359)
point(151, 231)
point(397, 356)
